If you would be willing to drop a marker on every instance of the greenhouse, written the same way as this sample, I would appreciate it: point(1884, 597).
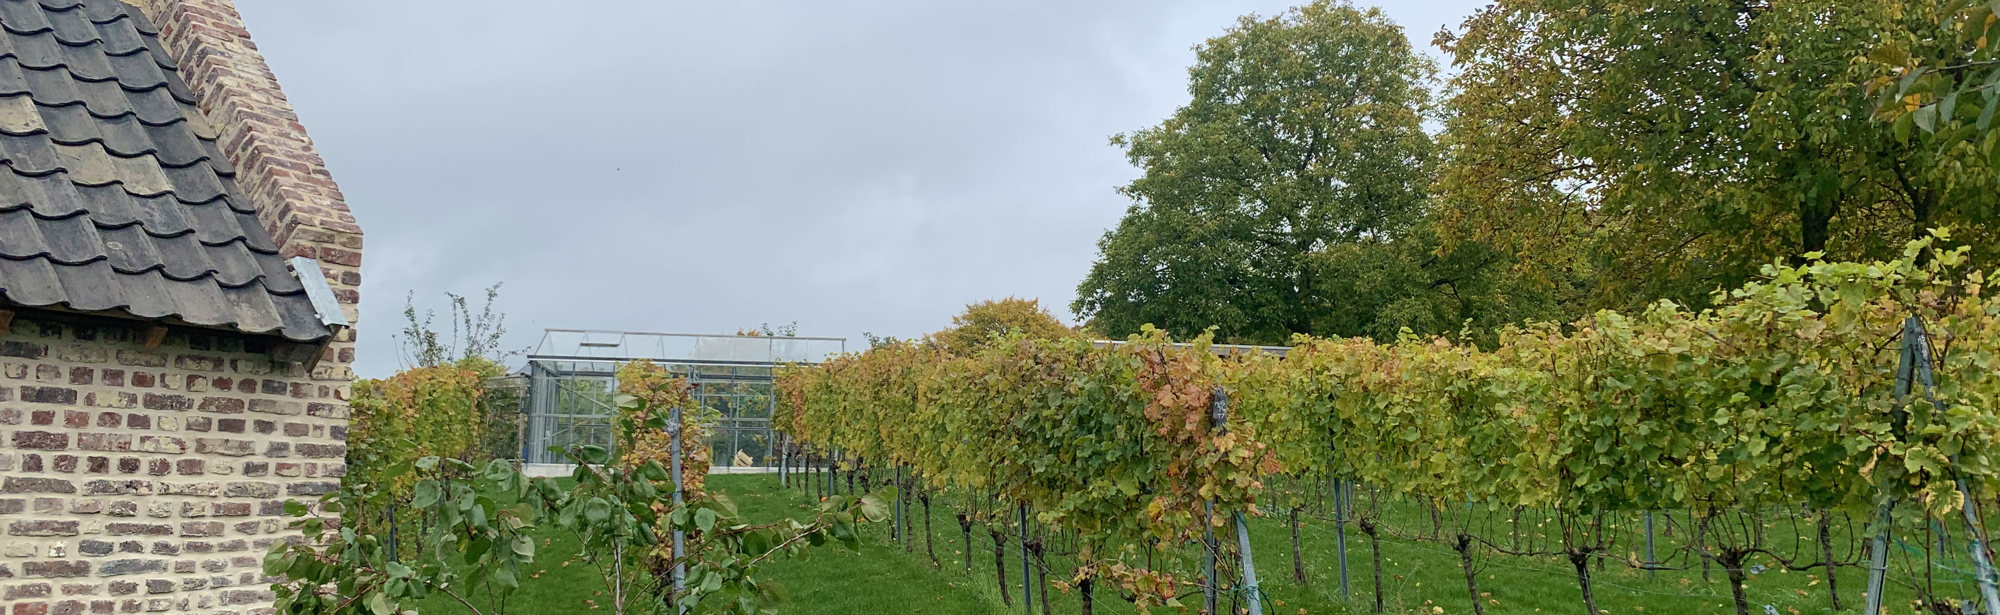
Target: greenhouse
point(572, 379)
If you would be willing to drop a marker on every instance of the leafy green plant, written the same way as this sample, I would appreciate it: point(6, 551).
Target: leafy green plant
point(474, 542)
point(476, 522)
point(418, 413)
point(1782, 397)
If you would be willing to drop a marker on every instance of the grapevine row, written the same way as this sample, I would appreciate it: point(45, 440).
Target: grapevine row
point(1782, 396)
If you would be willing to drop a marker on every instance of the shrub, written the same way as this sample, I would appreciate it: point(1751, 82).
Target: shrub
point(421, 412)
point(661, 389)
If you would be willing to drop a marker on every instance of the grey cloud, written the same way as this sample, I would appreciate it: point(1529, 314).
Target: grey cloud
point(710, 166)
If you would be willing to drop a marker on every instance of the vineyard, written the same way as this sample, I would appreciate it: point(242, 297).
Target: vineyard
point(1828, 415)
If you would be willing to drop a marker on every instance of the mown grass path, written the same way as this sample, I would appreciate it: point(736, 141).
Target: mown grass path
point(1418, 576)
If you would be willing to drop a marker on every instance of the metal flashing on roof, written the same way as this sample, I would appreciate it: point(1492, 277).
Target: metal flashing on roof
point(317, 290)
point(577, 344)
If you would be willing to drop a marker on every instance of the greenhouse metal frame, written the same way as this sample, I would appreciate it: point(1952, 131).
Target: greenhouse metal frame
point(572, 379)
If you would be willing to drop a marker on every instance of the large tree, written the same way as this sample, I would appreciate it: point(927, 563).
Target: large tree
point(1671, 147)
point(983, 322)
point(1304, 135)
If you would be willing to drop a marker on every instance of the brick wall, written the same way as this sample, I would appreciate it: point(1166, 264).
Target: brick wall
point(277, 165)
point(148, 480)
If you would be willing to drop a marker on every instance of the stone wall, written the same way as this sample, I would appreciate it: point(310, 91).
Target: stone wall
point(137, 479)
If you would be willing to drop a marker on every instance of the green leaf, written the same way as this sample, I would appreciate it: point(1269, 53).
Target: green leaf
point(627, 402)
point(596, 510)
point(757, 543)
point(499, 470)
point(426, 494)
point(724, 504)
point(524, 546)
point(427, 463)
point(1925, 118)
point(653, 471)
point(1986, 113)
point(1890, 54)
point(873, 508)
point(704, 519)
point(378, 603)
point(1909, 78)
point(476, 549)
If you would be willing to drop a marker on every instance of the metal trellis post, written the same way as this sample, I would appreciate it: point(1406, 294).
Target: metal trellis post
point(1208, 559)
point(1218, 409)
point(680, 538)
point(1878, 552)
point(1917, 346)
point(1027, 578)
point(1340, 505)
point(1650, 558)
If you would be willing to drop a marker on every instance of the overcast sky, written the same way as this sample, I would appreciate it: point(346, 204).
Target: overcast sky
point(710, 166)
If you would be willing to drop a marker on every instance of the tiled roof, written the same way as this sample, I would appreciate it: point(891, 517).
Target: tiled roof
point(114, 197)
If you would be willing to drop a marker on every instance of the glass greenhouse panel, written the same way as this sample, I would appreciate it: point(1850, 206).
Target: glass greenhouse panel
point(572, 387)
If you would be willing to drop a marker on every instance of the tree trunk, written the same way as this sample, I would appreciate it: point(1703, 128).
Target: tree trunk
point(1083, 592)
point(965, 527)
point(1814, 222)
point(1922, 208)
point(1581, 560)
point(1041, 571)
point(928, 547)
point(1826, 557)
point(618, 579)
point(1298, 559)
point(1732, 563)
point(1700, 537)
point(1000, 565)
point(1463, 545)
point(1375, 546)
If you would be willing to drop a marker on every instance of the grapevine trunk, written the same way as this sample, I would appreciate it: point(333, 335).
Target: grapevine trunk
point(1581, 561)
point(1826, 557)
point(1000, 564)
point(1463, 545)
point(1298, 559)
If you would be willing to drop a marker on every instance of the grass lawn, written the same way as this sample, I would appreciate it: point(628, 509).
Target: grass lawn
point(1419, 576)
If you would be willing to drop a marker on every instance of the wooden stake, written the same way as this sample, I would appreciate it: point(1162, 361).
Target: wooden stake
point(154, 336)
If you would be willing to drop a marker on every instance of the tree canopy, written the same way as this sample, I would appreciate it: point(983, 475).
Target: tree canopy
point(1304, 132)
point(1671, 147)
point(1587, 155)
point(981, 322)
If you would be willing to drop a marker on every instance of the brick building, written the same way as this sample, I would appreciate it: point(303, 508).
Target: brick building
point(178, 283)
